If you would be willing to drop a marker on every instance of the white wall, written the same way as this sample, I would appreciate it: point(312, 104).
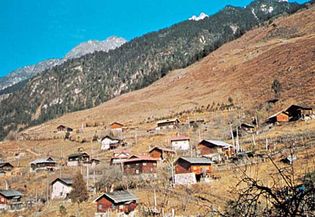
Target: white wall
point(180, 145)
point(60, 190)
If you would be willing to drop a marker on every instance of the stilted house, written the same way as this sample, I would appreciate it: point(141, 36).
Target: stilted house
point(10, 200)
point(109, 142)
point(117, 201)
point(61, 187)
point(167, 124)
point(140, 165)
point(181, 143)
point(208, 147)
point(48, 164)
point(78, 159)
point(200, 166)
point(162, 153)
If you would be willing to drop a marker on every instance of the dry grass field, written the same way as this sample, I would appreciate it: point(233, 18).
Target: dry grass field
point(243, 69)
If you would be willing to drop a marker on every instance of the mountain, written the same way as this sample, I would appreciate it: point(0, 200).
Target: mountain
point(95, 78)
point(27, 72)
point(94, 45)
point(241, 71)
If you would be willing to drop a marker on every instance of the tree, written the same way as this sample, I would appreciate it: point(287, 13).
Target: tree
point(260, 199)
point(276, 87)
point(79, 191)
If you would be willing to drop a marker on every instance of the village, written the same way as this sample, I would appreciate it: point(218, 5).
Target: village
point(121, 162)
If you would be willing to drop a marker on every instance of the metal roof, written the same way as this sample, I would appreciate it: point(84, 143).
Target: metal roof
point(78, 154)
point(119, 196)
point(163, 149)
point(67, 181)
point(218, 143)
point(197, 160)
point(11, 193)
point(168, 121)
point(180, 138)
point(43, 160)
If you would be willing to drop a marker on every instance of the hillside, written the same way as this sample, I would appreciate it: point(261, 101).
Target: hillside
point(243, 70)
point(95, 78)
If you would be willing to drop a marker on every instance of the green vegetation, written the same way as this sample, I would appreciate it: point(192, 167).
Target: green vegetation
point(95, 78)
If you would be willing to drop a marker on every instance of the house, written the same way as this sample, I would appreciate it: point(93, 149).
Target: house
point(200, 166)
point(119, 156)
point(180, 143)
point(208, 147)
point(140, 165)
point(5, 167)
point(10, 200)
point(249, 128)
point(167, 124)
point(64, 128)
point(278, 117)
point(297, 112)
point(48, 164)
point(162, 153)
point(78, 159)
point(118, 201)
point(109, 142)
point(116, 127)
point(61, 187)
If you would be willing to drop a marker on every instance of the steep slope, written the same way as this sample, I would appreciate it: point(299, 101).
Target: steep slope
point(243, 70)
point(82, 49)
point(92, 79)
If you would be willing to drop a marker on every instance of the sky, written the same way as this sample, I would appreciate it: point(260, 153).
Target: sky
point(35, 30)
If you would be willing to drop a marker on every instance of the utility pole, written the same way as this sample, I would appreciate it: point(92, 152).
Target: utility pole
point(232, 134)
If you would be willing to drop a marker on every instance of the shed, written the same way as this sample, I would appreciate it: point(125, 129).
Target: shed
point(121, 201)
point(161, 153)
point(48, 164)
point(181, 143)
point(200, 166)
point(206, 147)
point(167, 124)
point(78, 158)
point(10, 200)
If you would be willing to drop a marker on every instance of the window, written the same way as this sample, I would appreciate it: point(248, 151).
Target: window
point(137, 172)
point(144, 163)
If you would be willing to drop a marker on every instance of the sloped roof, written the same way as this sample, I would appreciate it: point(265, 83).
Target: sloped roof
point(180, 138)
point(197, 160)
point(162, 149)
point(110, 137)
point(2, 164)
point(66, 181)
point(119, 196)
point(10, 193)
point(217, 143)
point(141, 158)
point(167, 121)
point(77, 154)
point(43, 160)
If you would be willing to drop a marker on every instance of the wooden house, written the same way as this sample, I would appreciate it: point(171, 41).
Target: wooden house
point(118, 201)
point(140, 165)
point(116, 127)
point(5, 167)
point(162, 153)
point(48, 164)
point(78, 159)
point(181, 143)
point(278, 117)
point(208, 147)
point(200, 166)
point(167, 124)
point(60, 188)
point(119, 156)
point(297, 112)
point(64, 128)
point(10, 200)
point(109, 142)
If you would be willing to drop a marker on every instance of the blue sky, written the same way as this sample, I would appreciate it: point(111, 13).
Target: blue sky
point(35, 30)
